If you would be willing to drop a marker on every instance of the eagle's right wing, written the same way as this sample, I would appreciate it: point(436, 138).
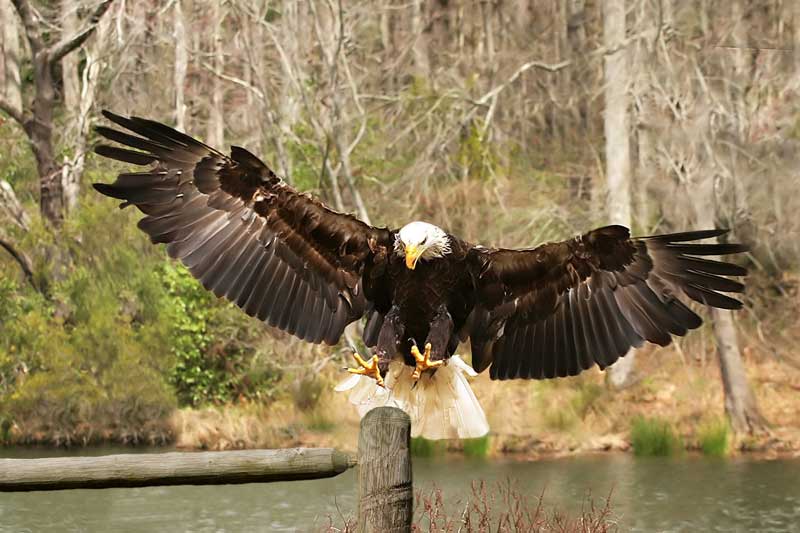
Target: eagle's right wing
point(562, 307)
point(243, 232)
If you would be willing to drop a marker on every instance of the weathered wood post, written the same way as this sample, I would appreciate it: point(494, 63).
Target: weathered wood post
point(385, 492)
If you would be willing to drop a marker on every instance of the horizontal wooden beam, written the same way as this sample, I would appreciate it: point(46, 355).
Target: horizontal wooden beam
point(174, 468)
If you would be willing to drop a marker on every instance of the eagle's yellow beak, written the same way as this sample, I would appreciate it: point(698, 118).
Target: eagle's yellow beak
point(412, 255)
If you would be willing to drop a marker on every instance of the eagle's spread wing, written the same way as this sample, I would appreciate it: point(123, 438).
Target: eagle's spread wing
point(558, 309)
point(245, 234)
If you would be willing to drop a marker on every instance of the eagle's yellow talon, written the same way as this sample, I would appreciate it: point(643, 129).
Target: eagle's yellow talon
point(369, 369)
point(423, 361)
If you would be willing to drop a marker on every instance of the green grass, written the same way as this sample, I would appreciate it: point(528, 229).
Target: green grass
point(560, 418)
point(319, 422)
point(476, 447)
point(654, 437)
point(422, 447)
point(714, 438)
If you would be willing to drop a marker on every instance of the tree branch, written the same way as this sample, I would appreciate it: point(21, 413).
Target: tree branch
point(10, 204)
point(22, 259)
point(11, 111)
point(70, 43)
point(521, 70)
point(27, 16)
point(238, 81)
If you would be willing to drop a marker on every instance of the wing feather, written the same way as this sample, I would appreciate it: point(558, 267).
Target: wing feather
point(563, 307)
point(245, 234)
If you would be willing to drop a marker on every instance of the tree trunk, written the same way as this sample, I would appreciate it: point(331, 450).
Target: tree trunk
point(576, 38)
point(71, 96)
point(740, 403)
point(40, 132)
point(216, 126)
point(487, 20)
point(11, 54)
point(73, 168)
point(181, 64)
point(38, 121)
point(645, 96)
point(69, 65)
point(796, 43)
point(419, 34)
point(618, 163)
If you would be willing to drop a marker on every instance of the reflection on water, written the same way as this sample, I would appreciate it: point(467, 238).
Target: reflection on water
point(687, 494)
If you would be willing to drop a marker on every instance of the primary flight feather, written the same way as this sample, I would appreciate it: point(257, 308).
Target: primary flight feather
point(287, 259)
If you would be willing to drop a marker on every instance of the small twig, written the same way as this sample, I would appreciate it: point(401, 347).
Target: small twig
point(238, 81)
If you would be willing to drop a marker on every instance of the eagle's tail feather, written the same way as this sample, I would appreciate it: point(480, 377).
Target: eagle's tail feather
point(441, 404)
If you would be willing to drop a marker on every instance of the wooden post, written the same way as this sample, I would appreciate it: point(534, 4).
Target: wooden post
point(176, 468)
point(385, 492)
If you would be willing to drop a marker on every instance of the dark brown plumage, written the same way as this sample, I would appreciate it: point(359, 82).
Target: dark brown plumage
point(286, 259)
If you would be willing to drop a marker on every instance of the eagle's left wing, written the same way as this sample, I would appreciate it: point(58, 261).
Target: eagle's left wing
point(560, 308)
point(281, 256)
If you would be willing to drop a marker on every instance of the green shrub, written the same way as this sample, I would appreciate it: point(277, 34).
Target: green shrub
point(122, 335)
point(714, 438)
point(476, 447)
point(212, 367)
point(422, 447)
point(654, 437)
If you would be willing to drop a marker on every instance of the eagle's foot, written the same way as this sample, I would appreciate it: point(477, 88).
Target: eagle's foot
point(423, 361)
point(369, 369)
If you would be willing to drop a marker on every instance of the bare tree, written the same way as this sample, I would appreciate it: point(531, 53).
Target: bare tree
point(419, 33)
point(617, 132)
point(74, 163)
point(11, 94)
point(69, 65)
point(740, 403)
point(181, 64)
point(37, 118)
point(216, 123)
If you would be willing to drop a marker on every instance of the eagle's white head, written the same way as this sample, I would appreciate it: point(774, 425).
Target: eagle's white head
point(420, 240)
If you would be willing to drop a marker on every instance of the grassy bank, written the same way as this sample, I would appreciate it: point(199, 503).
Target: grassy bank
point(678, 406)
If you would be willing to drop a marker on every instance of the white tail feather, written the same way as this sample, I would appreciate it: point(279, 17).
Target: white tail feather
point(441, 404)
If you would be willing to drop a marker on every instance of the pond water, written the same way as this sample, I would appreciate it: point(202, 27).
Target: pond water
point(647, 494)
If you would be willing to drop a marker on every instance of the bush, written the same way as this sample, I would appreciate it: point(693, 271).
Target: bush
point(476, 447)
point(212, 344)
point(422, 447)
point(714, 438)
point(121, 336)
point(654, 437)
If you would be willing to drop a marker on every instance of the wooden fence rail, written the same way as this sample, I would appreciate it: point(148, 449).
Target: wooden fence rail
point(176, 468)
point(385, 498)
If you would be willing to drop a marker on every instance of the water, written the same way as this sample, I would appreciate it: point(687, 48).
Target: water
point(647, 494)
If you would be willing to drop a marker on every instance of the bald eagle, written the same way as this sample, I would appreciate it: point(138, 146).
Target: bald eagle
point(284, 257)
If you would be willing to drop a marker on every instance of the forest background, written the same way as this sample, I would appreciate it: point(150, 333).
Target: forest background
point(508, 122)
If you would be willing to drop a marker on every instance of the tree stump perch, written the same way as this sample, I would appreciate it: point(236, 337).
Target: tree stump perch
point(385, 491)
